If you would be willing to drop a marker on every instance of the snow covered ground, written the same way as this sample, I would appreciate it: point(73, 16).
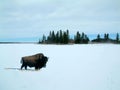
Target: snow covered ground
point(70, 67)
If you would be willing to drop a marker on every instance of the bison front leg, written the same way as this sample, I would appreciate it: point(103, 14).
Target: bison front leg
point(36, 68)
point(25, 67)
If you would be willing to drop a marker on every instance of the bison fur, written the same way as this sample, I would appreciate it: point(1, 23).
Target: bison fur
point(38, 61)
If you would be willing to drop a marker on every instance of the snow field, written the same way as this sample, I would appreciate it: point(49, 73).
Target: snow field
point(70, 67)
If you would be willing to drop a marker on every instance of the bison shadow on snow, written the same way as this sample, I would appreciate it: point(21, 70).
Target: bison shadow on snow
point(20, 69)
point(38, 61)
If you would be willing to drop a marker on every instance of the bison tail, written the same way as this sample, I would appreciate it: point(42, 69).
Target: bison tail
point(21, 61)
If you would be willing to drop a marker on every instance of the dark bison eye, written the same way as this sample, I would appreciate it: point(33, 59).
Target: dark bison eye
point(46, 58)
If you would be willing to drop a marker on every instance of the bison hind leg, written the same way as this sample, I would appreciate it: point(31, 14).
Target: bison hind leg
point(24, 66)
point(37, 68)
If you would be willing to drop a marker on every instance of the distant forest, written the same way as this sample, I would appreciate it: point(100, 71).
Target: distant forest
point(63, 37)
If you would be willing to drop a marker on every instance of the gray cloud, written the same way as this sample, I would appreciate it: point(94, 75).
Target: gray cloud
point(39, 16)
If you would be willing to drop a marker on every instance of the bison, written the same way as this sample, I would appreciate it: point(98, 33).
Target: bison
point(38, 61)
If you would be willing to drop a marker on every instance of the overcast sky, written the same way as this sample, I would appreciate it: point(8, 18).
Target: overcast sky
point(31, 18)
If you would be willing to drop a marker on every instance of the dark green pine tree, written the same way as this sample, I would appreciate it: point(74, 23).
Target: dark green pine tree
point(117, 38)
point(86, 39)
point(50, 34)
point(43, 39)
point(98, 37)
point(65, 38)
point(106, 36)
point(39, 41)
point(53, 37)
point(68, 38)
point(61, 37)
point(49, 38)
point(77, 38)
point(57, 37)
point(83, 37)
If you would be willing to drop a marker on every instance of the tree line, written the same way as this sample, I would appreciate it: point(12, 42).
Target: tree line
point(63, 37)
point(106, 39)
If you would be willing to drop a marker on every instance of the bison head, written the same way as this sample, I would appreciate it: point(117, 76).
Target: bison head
point(42, 61)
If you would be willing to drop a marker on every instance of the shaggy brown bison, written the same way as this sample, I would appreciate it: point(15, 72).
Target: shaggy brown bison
point(38, 61)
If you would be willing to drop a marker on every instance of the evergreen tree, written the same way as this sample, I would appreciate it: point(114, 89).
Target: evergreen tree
point(43, 38)
point(39, 41)
point(117, 38)
point(65, 40)
point(82, 37)
point(77, 38)
point(50, 34)
point(98, 36)
point(61, 36)
point(86, 39)
point(53, 37)
point(57, 37)
point(105, 36)
point(67, 36)
point(49, 38)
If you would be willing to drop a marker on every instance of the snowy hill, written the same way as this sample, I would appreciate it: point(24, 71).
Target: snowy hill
point(70, 67)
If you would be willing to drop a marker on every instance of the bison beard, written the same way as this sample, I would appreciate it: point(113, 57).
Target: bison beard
point(38, 61)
